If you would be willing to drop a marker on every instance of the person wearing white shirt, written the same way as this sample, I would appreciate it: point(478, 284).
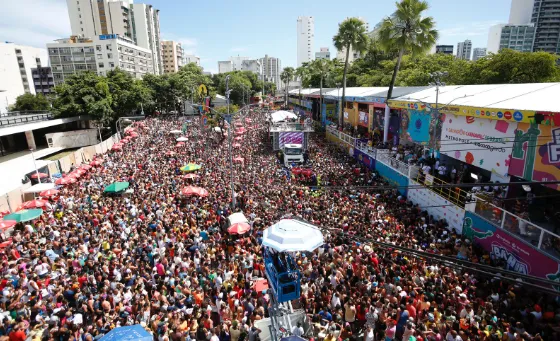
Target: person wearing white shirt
point(335, 301)
point(298, 330)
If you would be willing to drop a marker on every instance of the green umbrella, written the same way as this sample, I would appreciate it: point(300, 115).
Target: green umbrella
point(191, 167)
point(116, 187)
point(24, 215)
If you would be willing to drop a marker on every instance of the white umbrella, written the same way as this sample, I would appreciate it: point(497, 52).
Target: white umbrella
point(182, 139)
point(175, 132)
point(292, 235)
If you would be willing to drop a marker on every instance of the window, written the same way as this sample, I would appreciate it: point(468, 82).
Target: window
point(98, 48)
point(109, 55)
point(112, 65)
point(78, 9)
point(101, 65)
point(99, 55)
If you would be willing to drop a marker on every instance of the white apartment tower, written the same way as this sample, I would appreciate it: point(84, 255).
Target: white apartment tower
point(478, 53)
point(464, 50)
point(138, 22)
point(353, 55)
point(305, 39)
point(520, 12)
point(271, 69)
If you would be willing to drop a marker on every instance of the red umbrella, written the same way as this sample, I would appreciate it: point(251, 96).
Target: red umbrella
point(65, 181)
point(6, 243)
point(49, 193)
point(133, 134)
point(238, 159)
point(124, 141)
point(170, 153)
point(191, 190)
point(36, 203)
point(74, 175)
point(86, 167)
point(260, 285)
point(238, 138)
point(236, 145)
point(129, 131)
point(80, 171)
point(239, 124)
point(117, 147)
point(239, 228)
point(6, 224)
point(307, 172)
point(180, 144)
point(97, 162)
point(296, 171)
point(191, 176)
point(39, 175)
point(3, 213)
point(237, 132)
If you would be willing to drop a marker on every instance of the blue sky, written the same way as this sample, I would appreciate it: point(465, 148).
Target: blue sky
point(218, 29)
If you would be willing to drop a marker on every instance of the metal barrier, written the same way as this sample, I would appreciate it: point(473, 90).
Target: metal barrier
point(384, 156)
point(456, 195)
point(22, 119)
point(542, 238)
point(351, 141)
point(24, 113)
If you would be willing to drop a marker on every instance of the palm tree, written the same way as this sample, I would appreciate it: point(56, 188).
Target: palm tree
point(321, 67)
point(303, 73)
point(286, 76)
point(351, 35)
point(408, 31)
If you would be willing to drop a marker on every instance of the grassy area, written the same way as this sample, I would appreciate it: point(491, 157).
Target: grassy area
point(59, 155)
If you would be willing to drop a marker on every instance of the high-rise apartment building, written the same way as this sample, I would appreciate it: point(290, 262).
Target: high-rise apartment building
point(515, 37)
point(445, 49)
point(520, 12)
point(324, 53)
point(253, 65)
point(16, 65)
point(353, 55)
point(271, 70)
point(546, 17)
point(478, 53)
point(172, 56)
point(43, 80)
point(225, 66)
point(102, 54)
point(305, 39)
point(464, 50)
point(138, 22)
point(191, 58)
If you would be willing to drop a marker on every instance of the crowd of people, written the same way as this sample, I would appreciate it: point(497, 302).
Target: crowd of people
point(154, 257)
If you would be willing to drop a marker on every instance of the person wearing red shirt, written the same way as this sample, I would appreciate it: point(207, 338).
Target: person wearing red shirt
point(18, 333)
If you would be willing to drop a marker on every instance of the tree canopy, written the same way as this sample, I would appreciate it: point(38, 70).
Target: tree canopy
point(30, 102)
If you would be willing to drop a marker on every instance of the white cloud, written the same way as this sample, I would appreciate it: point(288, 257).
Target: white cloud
point(34, 22)
point(471, 29)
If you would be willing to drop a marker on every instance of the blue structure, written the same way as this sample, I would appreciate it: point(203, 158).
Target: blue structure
point(282, 274)
point(128, 333)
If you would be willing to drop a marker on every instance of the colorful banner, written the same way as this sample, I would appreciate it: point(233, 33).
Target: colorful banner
point(511, 115)
point(518, 255)
point(378, 119)
point(479, 142)
point(363, 119)
point(290, 138)
point(364, 159)
point(536, 153)
point(416, 126)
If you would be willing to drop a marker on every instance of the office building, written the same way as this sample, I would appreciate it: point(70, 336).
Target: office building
point(324, 53)
point(305, 39)
point(445, 49)
point(252, 65)
point(546, 18)
point(515, 37)
point(137, 22)
point(102, 54)
point(225, 66)
point(191, 58)
point(271, 70)
point(239, 64)
point(16, 64)
point(520, 12)
point(353, 55)
point(464, 50)
point(172, 56)
point(478, 53)
point(43, 80)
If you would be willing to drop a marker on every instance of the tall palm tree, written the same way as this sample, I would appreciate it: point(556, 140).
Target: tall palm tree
point(351, 34)
point(286, 76)
point(321, 67)
point(409, 31)
point(303, 73)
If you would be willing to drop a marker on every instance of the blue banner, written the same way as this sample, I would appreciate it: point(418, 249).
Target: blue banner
point(364, 159)
point(394, 177)
point(415, 126)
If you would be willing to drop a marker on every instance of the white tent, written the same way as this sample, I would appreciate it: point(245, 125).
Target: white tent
point(182, 139)
point(39, 187)
point(292, 235)
point(281, 115)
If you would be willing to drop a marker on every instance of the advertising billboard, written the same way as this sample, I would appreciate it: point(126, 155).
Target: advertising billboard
point(479, 142)
point(364, 159)
point(518, 255)
point(416, 126)
point(536, 153)
point(290, 138)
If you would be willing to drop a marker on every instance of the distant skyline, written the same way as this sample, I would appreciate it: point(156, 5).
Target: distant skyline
point(215, 32)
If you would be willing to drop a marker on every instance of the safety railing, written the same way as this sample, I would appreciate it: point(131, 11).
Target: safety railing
point(543, 237)
point(456, 195)
point(22, 119)
point(351, 141)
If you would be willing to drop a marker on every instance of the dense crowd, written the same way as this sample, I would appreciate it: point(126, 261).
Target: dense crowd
point(156, 258)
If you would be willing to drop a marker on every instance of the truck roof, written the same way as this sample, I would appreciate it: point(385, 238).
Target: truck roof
point(293, 145)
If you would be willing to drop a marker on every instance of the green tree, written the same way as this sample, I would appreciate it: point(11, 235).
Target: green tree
point(30, 102)
point(304, 74)
point(128, 93)
point(351, 35)
point(85, 93)
point(286, 76)
point(321, 68)
point(408, 31)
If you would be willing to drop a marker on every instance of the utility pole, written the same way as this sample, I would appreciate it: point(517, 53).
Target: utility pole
point(230, 130)
point(436, 77)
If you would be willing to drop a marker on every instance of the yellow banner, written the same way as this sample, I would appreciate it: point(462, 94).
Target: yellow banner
point(509, 115)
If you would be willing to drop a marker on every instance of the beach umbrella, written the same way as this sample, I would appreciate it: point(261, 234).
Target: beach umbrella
point(238, 159)
point(191, 190)
point(134, 134)
point(182, 139)
point(116, 187)
point(24, 215)
point(191, 167)
point(191, 176)
point(116, 147)
point(65, 181)
point(124, 141)
point(85, 167)
point(80, 171)
point(74, 175)
point(6, 224)
point(260, 285)
point(180, 144)
point(49, 193)
point(292, 235)
point(97, 162)
point(239, 228)
point(36, 203)
point(3, 213)
point(238, 138)
point(39, 175)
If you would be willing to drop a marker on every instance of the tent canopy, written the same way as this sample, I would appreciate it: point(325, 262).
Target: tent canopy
point(128, 333)
point(292, 235)
point(281, 115)
point(39, 187)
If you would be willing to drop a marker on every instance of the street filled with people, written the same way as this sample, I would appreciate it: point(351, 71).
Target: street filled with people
point(153, 256)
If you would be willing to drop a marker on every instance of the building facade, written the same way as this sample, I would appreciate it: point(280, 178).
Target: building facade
point(271, 70)
point(16, 65)
point(445, 49)
point(172, 56)
point(478, 53)
point(191, 58)
point(546, 18)
point(464, 50)
point(145, 20)
point(253, 65)
point(43, 80)
point(102, 54)
point(353, 55)
point(225, 66)
point(324, 53)
point(517, 37)
point(520, 12)
point(305, 39)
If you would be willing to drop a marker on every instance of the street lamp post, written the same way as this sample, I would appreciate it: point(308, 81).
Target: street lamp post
point(230, 133)
point(436, 77)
